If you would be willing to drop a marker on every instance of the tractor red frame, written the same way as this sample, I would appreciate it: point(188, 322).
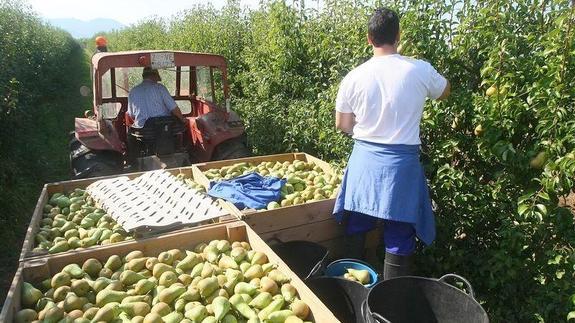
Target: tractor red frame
point(209, 124)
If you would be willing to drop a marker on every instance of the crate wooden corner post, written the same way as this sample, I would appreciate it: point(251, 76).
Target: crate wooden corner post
point(13, 298)
point(199, 176)
point(237, 231)
point(190, 172)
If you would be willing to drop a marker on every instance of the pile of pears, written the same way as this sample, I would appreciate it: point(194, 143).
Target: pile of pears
point(361, 276)
point(217, 281)
point(191, 183)
point(306, 182)
point(72, 221)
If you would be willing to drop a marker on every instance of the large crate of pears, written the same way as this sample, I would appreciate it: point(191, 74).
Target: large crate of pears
point(305, 210)
point(220, 273)
point(54, 219)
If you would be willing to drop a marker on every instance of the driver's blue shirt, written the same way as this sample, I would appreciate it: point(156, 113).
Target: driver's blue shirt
point(147, 100)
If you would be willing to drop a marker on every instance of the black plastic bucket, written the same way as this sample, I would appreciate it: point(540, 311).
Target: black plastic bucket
point(343, 297)
point(305, 258)
point(418, 299)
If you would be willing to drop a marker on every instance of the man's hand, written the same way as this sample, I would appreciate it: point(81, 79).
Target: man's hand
point(178, 113)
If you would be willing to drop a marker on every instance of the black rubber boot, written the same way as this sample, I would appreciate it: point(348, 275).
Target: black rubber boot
point(395, 266)
point(354, 245)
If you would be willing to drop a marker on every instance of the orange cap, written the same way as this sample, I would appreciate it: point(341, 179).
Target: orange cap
point(101, 41)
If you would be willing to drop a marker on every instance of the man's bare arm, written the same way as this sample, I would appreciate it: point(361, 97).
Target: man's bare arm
point(345, 122)
point(178, 113)
point(446, 91)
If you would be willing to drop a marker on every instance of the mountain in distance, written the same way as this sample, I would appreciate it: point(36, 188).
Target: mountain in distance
point(82, 29)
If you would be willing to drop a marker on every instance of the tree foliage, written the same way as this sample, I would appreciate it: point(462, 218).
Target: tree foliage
point(42, 68)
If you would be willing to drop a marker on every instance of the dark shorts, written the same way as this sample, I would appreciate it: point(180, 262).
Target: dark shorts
point(398, 237)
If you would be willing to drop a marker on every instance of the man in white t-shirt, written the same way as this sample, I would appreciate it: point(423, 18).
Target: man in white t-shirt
point(380, 104)
point(382, 99)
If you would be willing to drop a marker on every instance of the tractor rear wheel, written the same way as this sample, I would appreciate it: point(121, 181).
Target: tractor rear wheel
point(87, 163)
point(231, 149)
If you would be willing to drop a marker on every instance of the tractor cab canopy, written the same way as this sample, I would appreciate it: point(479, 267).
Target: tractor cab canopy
point(187, 76)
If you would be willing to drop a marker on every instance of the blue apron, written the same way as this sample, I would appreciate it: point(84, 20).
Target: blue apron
point(387, 182)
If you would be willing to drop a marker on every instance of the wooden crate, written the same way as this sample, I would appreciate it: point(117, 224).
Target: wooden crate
point(65, 186)
point(309, 221)
point(39, 269)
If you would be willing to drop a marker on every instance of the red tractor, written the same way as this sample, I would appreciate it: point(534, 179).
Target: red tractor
point(104, 142)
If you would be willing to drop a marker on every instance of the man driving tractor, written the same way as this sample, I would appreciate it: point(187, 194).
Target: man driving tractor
point(151, 99)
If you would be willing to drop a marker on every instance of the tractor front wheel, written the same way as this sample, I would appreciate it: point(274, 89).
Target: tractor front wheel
point(85, 163)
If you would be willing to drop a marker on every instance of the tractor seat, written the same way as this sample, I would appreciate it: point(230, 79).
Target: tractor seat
point(160, 135)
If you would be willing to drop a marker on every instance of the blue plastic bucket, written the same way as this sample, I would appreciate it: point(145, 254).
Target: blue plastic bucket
point(339, 267)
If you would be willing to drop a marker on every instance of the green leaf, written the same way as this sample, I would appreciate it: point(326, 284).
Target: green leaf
point(522, 209)
point(525, 197)
point(544, 196)
point(571, 315)
point(542, 208)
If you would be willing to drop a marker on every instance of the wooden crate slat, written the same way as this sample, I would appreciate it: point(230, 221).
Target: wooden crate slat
point(291, 216)
point(315, 232)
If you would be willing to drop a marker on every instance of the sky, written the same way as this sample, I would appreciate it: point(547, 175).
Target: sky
point(125, 11)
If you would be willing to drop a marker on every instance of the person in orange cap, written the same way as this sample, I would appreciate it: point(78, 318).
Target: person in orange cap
point(101, 44)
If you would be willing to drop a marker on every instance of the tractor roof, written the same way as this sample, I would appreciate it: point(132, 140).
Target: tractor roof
point(107, 60)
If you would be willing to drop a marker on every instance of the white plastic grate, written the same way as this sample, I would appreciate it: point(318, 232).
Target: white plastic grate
point(153, 201)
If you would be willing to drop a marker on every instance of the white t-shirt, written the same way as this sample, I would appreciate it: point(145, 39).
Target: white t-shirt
point(386, 94)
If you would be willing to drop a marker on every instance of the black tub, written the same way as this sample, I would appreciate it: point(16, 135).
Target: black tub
point(418, 299)
point(343, 297)
point(305, 258)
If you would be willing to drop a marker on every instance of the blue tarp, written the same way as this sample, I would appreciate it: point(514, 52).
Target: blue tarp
point(248, 191)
